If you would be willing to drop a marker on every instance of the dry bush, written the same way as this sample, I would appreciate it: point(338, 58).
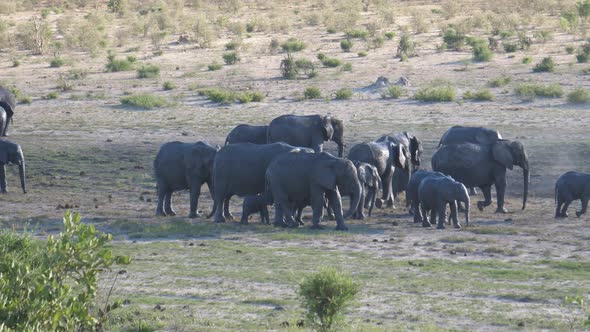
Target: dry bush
point(201, 31)
point(88, 34)
point(451, 8)
point(420, 23)
point(6, 38)
point(342, 15)
point(8, 6)
point(35, 35)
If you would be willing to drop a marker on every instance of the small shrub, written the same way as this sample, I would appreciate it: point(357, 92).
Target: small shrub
point(325, 295)
point(499, 81)
point(346, 45)
point(570, 49)
point(390, 35)
point(436, 93)
point(292, 45)
point(392, 92)
point(321, 56)
point(25, 100)
point(56, 62)
point(406, 47)
point(584, 53)
point(510, 47)
point(144, 100)
point(356, 33)
point(347, 66)
point(376, 43)
point(115, 65)
point(481, 95)
point(230, 58)
point(543, 36)
point(331, 30)
point(52, 95)
point(15, 63)
point(169, 85)
point(525, 41)
point(482, 53)
point(528, 91)
point(214, 66)
point(217, 95)
point(331, 62)
point(306, 66)
point(579, 96)
point(362, 54)
point(273, 46)
point(453, 39)
point(77, 74)
point(527, 59)
point(288, 68)
point(546, 65)
point(148, 71)
point(233, 45)
point(312, 92)
point(343, 94)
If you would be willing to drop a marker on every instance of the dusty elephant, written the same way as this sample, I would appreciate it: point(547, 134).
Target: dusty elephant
point(254, 204)
point(245, 133)
point(370, 183)
point(11, 153)
point(412, 193)
point(435, 193)
point(569, 187)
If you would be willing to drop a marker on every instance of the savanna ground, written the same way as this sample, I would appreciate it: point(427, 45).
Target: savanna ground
point(86, 150)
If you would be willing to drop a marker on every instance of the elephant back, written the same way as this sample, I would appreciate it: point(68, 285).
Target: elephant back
point(476, 135)
point(7, 101)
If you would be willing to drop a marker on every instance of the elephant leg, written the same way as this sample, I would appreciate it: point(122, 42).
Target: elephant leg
point(264, 215)
point(433, 214)
point(558, 207)
point(389, 199)
point(371, 197)
point(453, 216)
point(566, 205)
point(500, 191)
point(317, 206)
point(336, 202)
point(226, 213)
point(2, 178)
point(424, 212)
point(441, 209)
point(472, 191)
point(279, 221)
point(487, 195)
point(194, 197)
point(168, 203)
point(359, 213)
point(298, 213)
point(584, 200)
point(417, 212)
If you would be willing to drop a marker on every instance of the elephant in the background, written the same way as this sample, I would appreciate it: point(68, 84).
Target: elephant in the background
point(245, 133)
point(434, 193)
point(571, 186)
point(401, 177)
point(475, 135)
point(7, 107)
point(412, 193)
point(239, 169)
point(308, 131)
point(370, 183)
point(180, 166)
point(11, 153)
point(385, 156)
point(297, 178)
point(483, 165)
point(253, 204)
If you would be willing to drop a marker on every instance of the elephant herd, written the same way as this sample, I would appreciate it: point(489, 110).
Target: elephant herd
point(282, 164)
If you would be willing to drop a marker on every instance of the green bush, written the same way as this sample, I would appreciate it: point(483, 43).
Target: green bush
point(292, 45)
point(52, 95)
point(346, 45)
point(527, 59)
point(546, 65)
point(579, 96)
point(453, 39)
point(331, 62)
point(499, 81)
point(51, 286)
point(230, 58)
point(343, 94)
point(347, 66)
point(321, 56)
point(222, 96)
point(357, 33)
point(436, 93)
point(584, 53)
point(362, 54)
point(510, 47)
point(214, 66)
point(390, 35)
point(288, 68)
point(406, 47)
point(481, 95)
point(325, 295)
point(148, 71)
point(482, 53)
point(144, 100)
point(169, 85)
point(114, 65)
point(528, 91)
point(312, 92)
point(56, 62)
point(306, 66)
point(392, 92)
point(570, 49)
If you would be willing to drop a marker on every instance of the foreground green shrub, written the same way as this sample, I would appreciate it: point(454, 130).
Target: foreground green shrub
point(392, 92)
point(406, 47)
point(144, 100)
point(436, 93)
point(583, 55)
point(343, 94)
point(168, 85)
point(546, 65)
point(481, 95)
point(528, 91)
point(312, 92)
point(51, 286)
point(482, 53)
point(325, 295)
point(389, 35)
point(453, 39)
point(148, 71)
point(579, 96)
point(357, 33)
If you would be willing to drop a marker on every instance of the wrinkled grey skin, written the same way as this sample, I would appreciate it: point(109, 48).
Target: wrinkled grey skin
point(308, 131)
point(476, 135)
point(571, 186)
point(253, 204)
point(434, 193)
point(412, 193)
point(479, 165)
point(239, 169)
point(245, 133)
point(401, 177)
point(370, 184)
point(11, 153)
point(180, 166)
point(7, 107)
point(385, 156)
point(297, 178)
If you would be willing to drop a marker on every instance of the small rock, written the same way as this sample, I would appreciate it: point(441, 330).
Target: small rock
point(148, 200)
point(521, 324)
point(109, 140)
point(185, 307)
point(184, 133)
point(82, 173)
point(285, 324)
point(95, 199)
point(390, 239)
point(464, 254)
point(141, 198)
point(110, 198)
point(394, 223)
point(375, 240)
point(96, 206)
point(202, 244)
point(238, 251)
point(122, 272)
point(508, 220)
point(384, 241)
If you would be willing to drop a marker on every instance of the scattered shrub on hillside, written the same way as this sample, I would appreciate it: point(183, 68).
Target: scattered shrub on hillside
point(528, 91)
point(168, 85)
point(546, 65)
point(481, 95)
point(35, 35)
point(584, 53)
point(77, 74)
point(389, 35)
point(233, 45)
point(347, 67)
point(312, 92)
point(214, 66)
point(331, 62)
point(362, 54)
point(148, 71)
point(392, 92)
point(306, 67)
point(434, 93)
point(570, 49)
point(357, 33)
point(524, 41)
point(144, 100)
point(273, 46)
point(292, 45)
point(406, 47)
point(288, 68)
point(346, 45)
point(56, 62)
point(20, 97)
point(230, 58)
point(453, 39)
point(118, 6)
point(222, 96)
point(527, 59)
point(343, 94)
point(499, 81)
point(509, 47)
point(52, 95)
point(579, 96)
point(543, 36)
point(481, 52)
point(375, 43)
point(116, 65)
point(63, 83)
point(325, 295)
point(15, 63)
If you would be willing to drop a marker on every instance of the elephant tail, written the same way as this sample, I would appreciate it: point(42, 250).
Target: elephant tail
point(556, 193)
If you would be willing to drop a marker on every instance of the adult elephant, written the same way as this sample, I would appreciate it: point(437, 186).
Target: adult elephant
point(308, 131)
point(385, 156)
point(180, 166)
point(11, 153)
point(401, 177)
point(239, 169)
point(476, 135)
point(7, 107)
point(297, 178)
point(245, 133)
point(434, 193)
point(483, 165)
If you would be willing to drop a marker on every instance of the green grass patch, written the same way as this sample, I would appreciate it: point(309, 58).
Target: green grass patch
point(343, 94)
point(579, 96)
point(312, 92)
point(292, 45)
point(168, 85)
point(222, 96)
point(57, 62)
point(494, 230)
point(214, 66)
point(148, 71)
point(230, 58)
point(499, 81)
point(547, 65)
point(331, 62)
point(528, 91)
point(481, 95)
point(437, 93)
point(144, 100)
point(392, 92)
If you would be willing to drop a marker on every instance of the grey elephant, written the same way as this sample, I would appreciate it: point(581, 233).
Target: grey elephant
point(412, 193)
point(310, 131)
point(434, 193)
point(7, 107)
point(483, 165)
point(253, 204)
point(239, 169)
point(180, 166)
point(245, 133)
point(296, 178)
point(401, 177)
point(11, 153)
point(370, 184)
point(571, 186)
point(385, 156)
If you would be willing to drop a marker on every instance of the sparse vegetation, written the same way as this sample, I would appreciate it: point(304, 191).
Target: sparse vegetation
point(528, 91)
point(148, 71)
point(546, 65)
point(331, 62)
point(436, 93)
point(406, 47)
point(168, 85)
point(343, 94)
point(579, 96)
point(499, 81)
point(583, 55)
point(214, 66)
point(392, 92)
point(389, 35)
point(312, 92)
point(144, 100)
point(116, 65)
point(56, 62)
point(481, 95)
point(346, 45)
point(527, 59)
point(357, 33)
point(223, 96)
point(292, 45)
point(230, 58)
point(362, 54)
point(453, 39)
point(481, 52)
point(52, 95)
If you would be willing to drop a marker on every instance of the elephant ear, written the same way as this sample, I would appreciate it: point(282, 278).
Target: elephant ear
point(400, 155)
point(502, 154)
point(362, 174)
point(324, 174)
point(327, 127)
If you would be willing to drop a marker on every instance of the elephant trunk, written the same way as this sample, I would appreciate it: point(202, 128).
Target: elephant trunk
point(526, 179)
point(340, 149)
point(467, 211)
point(21, 173)
point(355, 199)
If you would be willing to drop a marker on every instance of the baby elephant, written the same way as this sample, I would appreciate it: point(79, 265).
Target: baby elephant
point(253, 204)
point(571, 186)
point(435, 193)
point(370, 182)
